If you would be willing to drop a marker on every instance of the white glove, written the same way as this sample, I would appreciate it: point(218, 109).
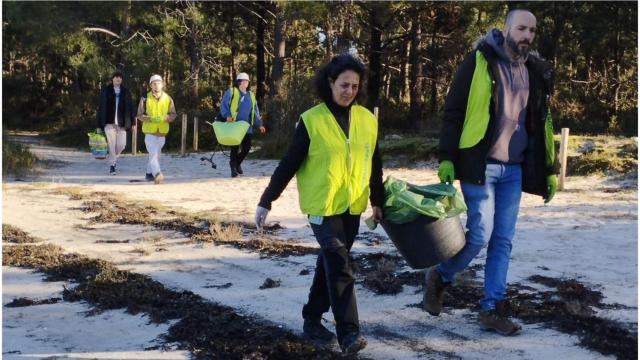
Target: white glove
point(261, 217)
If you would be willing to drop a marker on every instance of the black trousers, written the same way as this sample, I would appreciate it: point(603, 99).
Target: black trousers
point(333, 283)
point(245, 146)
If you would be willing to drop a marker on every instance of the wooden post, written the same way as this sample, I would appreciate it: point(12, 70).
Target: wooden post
point(134, 137)
point(564, 143)
point(195, 133)
point(375, 112)
point(183, 143)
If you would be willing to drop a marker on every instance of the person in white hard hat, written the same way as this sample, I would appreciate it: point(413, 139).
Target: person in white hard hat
point(156, 110)
point(239, 104)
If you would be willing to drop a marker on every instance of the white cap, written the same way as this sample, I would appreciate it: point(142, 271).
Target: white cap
point(155, 78)
point(243, 76)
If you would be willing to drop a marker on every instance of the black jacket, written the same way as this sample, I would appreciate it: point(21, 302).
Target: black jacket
point(470, 163)
point(106, 107)
point(297, 152)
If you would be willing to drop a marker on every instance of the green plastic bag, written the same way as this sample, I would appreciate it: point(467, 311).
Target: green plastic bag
point(98, 145)
point(404, 202)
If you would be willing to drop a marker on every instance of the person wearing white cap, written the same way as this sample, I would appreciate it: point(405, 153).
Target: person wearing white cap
point(239, 104)
point(156, 111)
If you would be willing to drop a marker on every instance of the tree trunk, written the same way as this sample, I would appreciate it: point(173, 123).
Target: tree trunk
point(277, 70)
point(433, 68)
point(386, 81)
point(342, 42)
point(194, 56)
point(404, 73)
point(329, 39)
point(233, 46)
point(415, 76)
point(124, 34)
point(549, 39)
point(260, 65)
point(618, 59)
point(375, 65)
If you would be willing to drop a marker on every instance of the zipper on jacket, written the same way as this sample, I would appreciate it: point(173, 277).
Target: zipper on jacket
point(349, 162)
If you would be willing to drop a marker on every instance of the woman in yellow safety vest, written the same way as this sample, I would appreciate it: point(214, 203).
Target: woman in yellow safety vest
point(156, 111)
point(335, 158)
point(239, 104)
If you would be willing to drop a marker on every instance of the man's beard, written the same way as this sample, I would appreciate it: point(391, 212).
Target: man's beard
point(522, 51)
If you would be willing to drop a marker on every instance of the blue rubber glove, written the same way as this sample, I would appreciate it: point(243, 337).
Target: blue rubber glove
point(446, 172)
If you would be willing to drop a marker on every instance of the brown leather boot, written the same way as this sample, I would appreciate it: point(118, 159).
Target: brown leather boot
point(434, 293)
point(315, 331)
point(498, 320)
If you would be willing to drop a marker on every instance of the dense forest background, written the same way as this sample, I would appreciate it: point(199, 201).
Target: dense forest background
point(56, 56)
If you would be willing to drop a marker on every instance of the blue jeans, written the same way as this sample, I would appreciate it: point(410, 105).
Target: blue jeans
point(491, 217)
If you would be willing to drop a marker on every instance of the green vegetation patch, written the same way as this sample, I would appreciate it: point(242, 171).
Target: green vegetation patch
point(16, 158)
point(602, 155)
point(406, 150)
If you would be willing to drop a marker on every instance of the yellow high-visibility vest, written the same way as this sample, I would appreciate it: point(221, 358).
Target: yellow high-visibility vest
point(157, 108)
point(335, 175)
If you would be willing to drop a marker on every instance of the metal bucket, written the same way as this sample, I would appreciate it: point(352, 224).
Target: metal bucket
point(427, 241)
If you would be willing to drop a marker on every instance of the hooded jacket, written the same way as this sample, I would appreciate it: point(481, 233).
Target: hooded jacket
point(471, 109)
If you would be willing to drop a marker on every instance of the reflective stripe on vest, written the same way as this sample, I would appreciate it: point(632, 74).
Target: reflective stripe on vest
point(154, 108)
point(335, 175)
point(235, 103)
point(476, 119)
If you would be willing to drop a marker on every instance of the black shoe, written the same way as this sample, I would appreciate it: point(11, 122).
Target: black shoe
point(112, 170)
point(239, 169)
point(149, 177)
point(352, 343)
point(315, 331)
point(234, 172)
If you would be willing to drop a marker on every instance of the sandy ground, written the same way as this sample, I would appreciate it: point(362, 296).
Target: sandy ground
point(64, 330)
point(588, 232)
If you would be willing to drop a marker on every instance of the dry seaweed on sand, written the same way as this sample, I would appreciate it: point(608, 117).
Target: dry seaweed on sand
point(206, 329)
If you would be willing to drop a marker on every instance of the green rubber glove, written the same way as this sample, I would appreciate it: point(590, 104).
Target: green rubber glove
point(446, 172)
point(552, 186)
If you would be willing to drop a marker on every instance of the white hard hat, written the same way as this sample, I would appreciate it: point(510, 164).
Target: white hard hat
point(155, 78)
point(243, 76)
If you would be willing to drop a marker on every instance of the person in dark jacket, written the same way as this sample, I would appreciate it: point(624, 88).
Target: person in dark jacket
point(115, 113)
point(497, 139)
point(335, 157)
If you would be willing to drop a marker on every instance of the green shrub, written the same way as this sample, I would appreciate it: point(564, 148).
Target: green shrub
point(16, 158)
point(602, 155)
point(281, 114)
point(409, 149)
point(601, 163)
